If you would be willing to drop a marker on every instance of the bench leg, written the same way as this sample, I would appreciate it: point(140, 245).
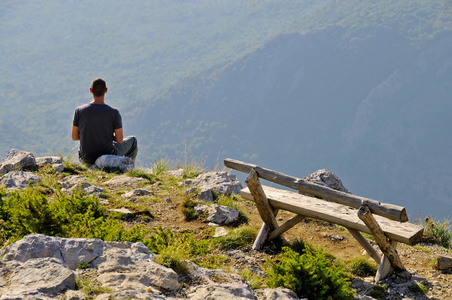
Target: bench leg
point(263, 233)
point(366, 245)
point(385, 244)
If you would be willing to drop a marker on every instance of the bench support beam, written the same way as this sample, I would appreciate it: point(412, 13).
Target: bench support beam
point(383, 242)
point(286, 226)
point(365, 244)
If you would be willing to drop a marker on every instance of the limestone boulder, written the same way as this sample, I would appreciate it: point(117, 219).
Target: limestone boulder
point(326, 178)
point(18, 160)
point(19, 179)
point(216, 182)
point(222, 215)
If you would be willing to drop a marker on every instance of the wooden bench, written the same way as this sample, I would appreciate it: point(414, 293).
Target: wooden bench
point(386, 222)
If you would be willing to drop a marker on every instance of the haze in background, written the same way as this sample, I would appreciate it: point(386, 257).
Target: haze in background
point(360, 88)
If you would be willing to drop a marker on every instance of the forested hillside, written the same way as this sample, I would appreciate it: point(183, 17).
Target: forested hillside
point(361, 88)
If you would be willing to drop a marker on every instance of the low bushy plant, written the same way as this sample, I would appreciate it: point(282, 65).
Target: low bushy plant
point(311, 275)
point(29, 211)
point(438, 232)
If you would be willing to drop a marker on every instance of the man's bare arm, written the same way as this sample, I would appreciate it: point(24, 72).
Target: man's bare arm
point(119, 135)
point(75, 133)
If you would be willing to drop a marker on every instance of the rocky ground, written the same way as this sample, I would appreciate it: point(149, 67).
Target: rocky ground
point(168, 194)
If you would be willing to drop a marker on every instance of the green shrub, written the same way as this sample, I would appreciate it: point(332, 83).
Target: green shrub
point(311, 275)
point(29, 211)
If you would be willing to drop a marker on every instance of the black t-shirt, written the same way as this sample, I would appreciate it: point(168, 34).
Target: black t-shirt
point(96, 124)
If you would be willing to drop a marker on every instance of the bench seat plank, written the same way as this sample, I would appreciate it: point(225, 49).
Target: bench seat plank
point(308, 206)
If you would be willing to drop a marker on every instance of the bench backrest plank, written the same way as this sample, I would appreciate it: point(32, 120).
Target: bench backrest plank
point(404, 232)
point(393, 212)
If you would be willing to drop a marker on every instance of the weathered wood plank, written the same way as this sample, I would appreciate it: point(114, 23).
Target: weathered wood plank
point(393, 212)
point(403, 232)
point(383, 242)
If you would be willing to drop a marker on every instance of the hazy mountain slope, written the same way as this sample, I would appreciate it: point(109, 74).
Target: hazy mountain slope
point(51, 51)
point(377, 116)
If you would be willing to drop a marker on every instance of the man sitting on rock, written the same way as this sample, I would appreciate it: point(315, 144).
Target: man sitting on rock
point(99, 128)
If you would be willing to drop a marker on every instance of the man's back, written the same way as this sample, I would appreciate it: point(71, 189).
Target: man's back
point(96, 124)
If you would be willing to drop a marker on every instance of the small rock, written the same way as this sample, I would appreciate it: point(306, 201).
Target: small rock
point(114, 161)
point(220, 231)
point(59, 168)
point(444, 263)
point(48, 160)
point(137, 192)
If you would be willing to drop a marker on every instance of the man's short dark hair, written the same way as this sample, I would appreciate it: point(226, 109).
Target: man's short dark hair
point(98, 86)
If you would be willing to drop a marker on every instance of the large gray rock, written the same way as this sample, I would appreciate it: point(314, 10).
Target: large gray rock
point(19, 179)
point(114, 161)
point(217, 182)
point(326, 178)
point(124, 267)
point(222, 215)
point(17, 160)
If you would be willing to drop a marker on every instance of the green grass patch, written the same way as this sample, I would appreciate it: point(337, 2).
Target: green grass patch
point(237, 238)
point(362, 267)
